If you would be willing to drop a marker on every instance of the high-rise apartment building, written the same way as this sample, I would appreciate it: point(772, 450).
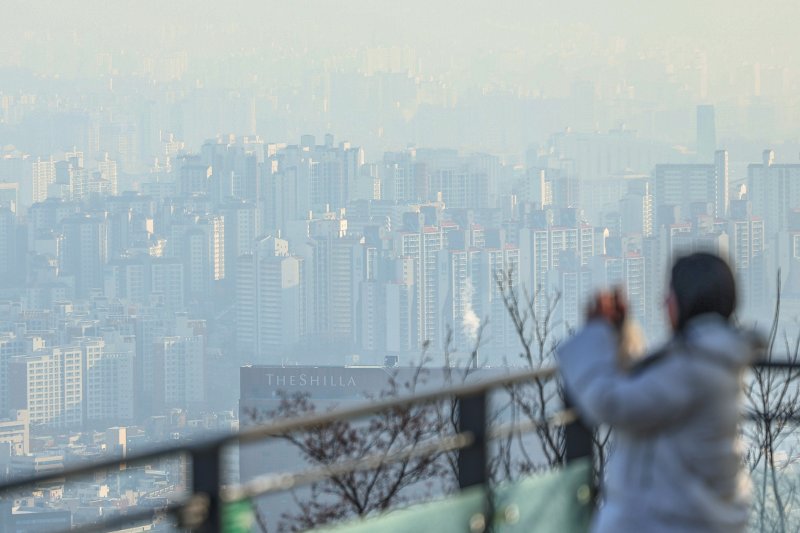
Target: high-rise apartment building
point(542, 245)
point(560, 304)
point(180, 370)
point(194, 176)
point(534, 244)
point(44, 173)
point(45, 219)
point(459, 321)
point(10, 346)
point(180, 381)
point(108, 381)
point(150, 327)
point(774, 191)
point(309, 178)
point(50, 385)
point(85, 252)
point(107, 172)
point(628, 271)
point(242, 226)
point(497, 269)
point(168, 283)
point(747, 255)
point(685, 185)
point(147, 280)
point(270, 314)
point(636, 211)
point(422, 247)
point(337, 270)
point(235, 169)
point(398, 313)
point(199, 241)
point(403, 179)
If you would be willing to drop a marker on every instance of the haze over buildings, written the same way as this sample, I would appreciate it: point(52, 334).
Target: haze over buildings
point(186, 189)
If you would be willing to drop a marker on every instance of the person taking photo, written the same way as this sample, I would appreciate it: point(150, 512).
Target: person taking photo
point(677, 463)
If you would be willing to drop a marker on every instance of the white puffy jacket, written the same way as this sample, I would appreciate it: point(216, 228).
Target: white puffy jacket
point(677, 463)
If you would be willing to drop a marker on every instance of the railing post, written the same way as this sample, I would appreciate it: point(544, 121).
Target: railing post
point(206, 490)
point(473, 460)
point(578, 436)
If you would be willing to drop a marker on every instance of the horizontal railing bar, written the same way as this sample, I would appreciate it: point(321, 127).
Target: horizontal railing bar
point(291, 425)
point(559, 419)
point(778, 364)
point(299, 424)
point(754, 416)
point(286, 481)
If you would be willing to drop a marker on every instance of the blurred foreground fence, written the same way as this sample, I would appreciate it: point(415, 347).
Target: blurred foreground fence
point(558, 500)
point(212, 506)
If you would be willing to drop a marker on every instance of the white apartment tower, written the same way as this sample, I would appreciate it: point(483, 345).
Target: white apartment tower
point(747, 248)
point(44, 173)
point(422, 249)
point(269, 300)
point(50, 385)
point(774, 190)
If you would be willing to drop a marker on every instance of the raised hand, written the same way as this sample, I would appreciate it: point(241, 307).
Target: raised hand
point(610, 306)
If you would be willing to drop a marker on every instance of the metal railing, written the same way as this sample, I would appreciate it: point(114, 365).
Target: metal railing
point(202, 510)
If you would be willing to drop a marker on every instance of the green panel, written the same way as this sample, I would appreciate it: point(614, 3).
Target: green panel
point(238, 517)
point(452, 515)
point(556, 501)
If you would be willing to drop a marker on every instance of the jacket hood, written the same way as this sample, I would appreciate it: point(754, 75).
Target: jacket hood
point(714, 336)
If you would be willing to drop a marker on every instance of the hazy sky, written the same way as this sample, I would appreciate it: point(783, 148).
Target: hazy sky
point(659, 58)
point(732, 30)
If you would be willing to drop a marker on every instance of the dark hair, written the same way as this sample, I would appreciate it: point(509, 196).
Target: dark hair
point(702, 283)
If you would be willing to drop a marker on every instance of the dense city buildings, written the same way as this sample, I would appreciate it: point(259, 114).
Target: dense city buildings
point(177, 205)
point(308, 253)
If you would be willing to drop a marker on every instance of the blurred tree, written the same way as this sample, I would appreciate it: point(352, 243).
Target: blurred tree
point(362, 492)
point(773, 406)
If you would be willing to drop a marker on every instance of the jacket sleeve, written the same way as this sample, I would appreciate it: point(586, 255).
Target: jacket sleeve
point(603, 394)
